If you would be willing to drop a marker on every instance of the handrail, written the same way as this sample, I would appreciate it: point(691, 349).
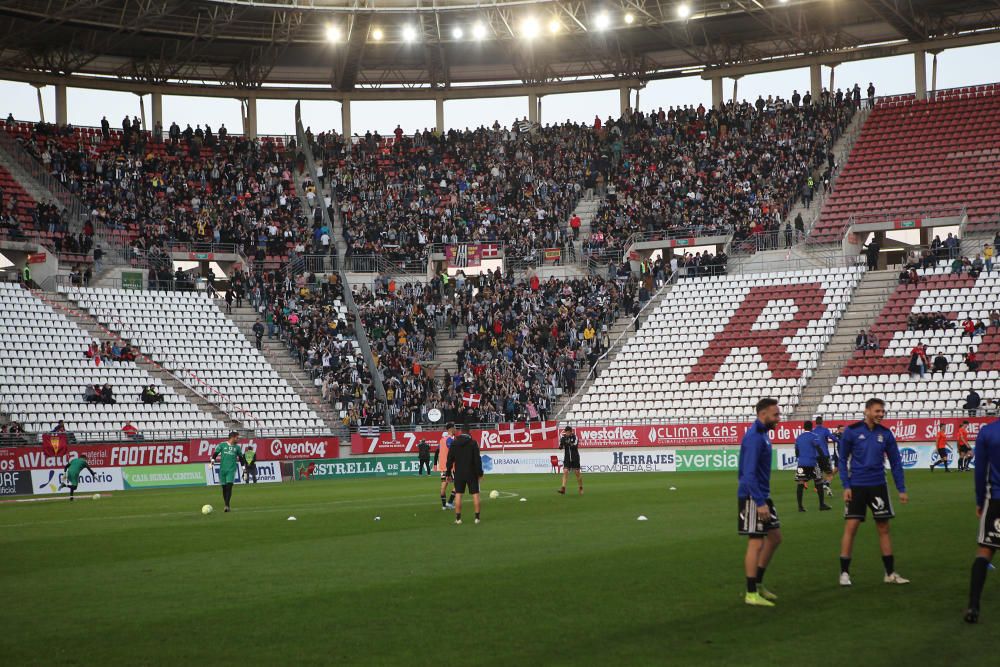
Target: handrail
point(614, 344)
point(359, 330)
point(252, 421)
point(37, 171)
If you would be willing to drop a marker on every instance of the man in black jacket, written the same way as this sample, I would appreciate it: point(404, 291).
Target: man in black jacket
point(465, 466)
point(425, 457)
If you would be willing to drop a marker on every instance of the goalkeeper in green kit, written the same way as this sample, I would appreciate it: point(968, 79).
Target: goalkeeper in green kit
point(72, 473)
point(229, 455)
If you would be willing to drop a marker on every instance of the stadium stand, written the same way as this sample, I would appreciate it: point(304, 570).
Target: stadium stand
point(196, 187)
point(889, 371)
point(918, 158)
point(45, 371)
point(758, 161)
point(719, 342)
point(187, 333)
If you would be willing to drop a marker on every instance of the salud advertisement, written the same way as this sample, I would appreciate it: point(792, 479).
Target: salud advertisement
point(364, 466)
point(47, 480)
point(157, 477)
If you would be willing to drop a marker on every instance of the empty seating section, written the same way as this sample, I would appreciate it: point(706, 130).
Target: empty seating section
point(884, 372)
point(44, 373)
point(714, 346)
point(915, 157)
point(190, 336)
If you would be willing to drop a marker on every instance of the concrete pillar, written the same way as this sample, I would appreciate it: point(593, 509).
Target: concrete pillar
point(833, 72)
point(624, 99)
point(250, 119)
point(815, 82)
point(62, 117)
point(439, 114)
point(142, 112)
point(736, 88)
point(717, 101)
point(920, 74)
point(533, 107)
point(345, 120)
point(41, 107)
point(157, 110)
point(934, 75)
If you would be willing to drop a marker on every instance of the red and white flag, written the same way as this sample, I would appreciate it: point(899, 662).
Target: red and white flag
point(471, 400)
point(489, 250)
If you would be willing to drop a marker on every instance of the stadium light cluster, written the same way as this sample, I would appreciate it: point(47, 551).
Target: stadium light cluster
point(529, 28)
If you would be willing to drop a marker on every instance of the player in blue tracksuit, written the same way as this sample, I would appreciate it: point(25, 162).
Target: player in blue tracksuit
point(823, 459)
point(758, 519)
point(807, 452)
point(987, 462)
point(863, 449)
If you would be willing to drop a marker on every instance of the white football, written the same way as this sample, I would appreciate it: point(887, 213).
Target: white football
point(207, 509)
point(96, 496)
point(524, 500)
point(494, 494)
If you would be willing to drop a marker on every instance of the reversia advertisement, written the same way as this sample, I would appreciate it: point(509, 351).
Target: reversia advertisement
point(366, 466)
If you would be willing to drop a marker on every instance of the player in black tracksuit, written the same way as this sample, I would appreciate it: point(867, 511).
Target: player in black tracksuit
point(571, 458)
point(424, 451)
point(465, 466)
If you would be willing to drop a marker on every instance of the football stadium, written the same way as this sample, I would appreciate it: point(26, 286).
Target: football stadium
point(537, 332)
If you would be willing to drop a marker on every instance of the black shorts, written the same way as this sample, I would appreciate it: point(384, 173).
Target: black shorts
point(807, 474)
point(989, 525)
point(461, 484)
point(943, 454)
point(874, 497)
point(747, 522)
point(964, 449)
point(444, 477)
point(824, 465)
point(571, 463)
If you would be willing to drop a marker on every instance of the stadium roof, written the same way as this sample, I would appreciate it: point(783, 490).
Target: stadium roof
point(430, 46)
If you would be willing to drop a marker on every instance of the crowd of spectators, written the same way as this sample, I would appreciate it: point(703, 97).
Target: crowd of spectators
point(698, 172)
point(527, 340)
point(194, 186)
point(401, 194)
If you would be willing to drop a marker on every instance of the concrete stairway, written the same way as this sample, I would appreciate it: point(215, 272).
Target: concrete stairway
point(92, 328)
point(276, 353)
point(868, 301)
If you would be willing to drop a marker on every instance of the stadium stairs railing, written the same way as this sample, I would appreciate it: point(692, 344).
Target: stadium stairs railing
point(359, 328)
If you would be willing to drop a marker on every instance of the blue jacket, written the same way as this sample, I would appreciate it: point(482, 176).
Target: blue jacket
point(987, 463)
point(755, 464)
point(824, 436)
point(862, 456)
point(806, 448)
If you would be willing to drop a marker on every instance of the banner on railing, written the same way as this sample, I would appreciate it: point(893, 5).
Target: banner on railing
point(545, 435)
point(729, 433)
point(463, 255)
point(198, 450)
point(531, 435)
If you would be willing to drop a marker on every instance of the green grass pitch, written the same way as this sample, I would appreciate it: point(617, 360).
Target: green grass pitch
point(143, 578)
